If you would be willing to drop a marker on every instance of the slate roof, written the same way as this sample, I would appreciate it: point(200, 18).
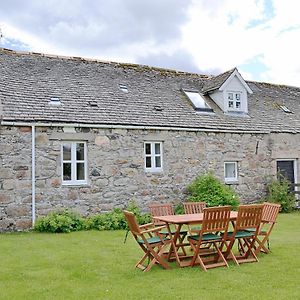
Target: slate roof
point(154, 97)
point(216, 81)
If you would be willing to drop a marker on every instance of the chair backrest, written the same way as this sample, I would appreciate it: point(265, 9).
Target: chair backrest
point(249, 216)
point(132, 223)
point(216, 219)
point(270, 212)
point(193, 207)
point(160, 210)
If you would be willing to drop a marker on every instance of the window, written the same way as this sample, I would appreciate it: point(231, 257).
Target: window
point(230, 172)
point(234, 100)
point(74, 163)
point(153, 156)
point(54, 101)
point(198, 101)
point(123, 88)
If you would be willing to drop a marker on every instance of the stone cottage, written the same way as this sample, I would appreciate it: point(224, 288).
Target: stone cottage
point(91, 135)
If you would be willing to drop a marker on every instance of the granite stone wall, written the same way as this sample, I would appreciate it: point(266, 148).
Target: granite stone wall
point(116, 172)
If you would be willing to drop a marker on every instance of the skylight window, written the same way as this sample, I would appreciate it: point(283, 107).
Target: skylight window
point(285, 109)
point(93, 103)
point(123, 88)
point(54, 101)
point(198, 101)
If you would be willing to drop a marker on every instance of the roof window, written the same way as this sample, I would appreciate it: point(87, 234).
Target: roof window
point(54, 101)
point(93, 103)
point(123, 88)
point(285, 109)
point(198, 101)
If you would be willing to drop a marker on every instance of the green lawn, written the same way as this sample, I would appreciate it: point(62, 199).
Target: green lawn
point(98, 265)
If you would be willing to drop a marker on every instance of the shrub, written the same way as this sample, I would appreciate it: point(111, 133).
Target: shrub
point(107, 221)
point(278, 191)
point(115, 219)
point(209, 189)
point(60, 221)
point(66, 221)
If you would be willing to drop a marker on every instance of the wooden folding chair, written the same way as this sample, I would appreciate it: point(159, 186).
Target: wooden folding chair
point(248, 217)
point(193, 208)
point(269, 216)
point(215, 220)
point(152, 245)
point(167, 209)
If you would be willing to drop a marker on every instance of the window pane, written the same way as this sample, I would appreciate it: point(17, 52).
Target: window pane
point(80, 151)
point(157, 148)
point(230, 170)
point(237, 96)
point(230, 104)
point(66, 171)
point(148, 148)
point(148, 162)
point(157, 162)
point(238, 104)
point(80, 171)
point(197, 99)
point(67, 152)
point(230, 96)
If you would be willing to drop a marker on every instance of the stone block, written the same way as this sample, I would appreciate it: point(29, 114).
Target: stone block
point(24, 129)
point(23, 224)
point(14, 211)
point(102, 141)
point(5, 197)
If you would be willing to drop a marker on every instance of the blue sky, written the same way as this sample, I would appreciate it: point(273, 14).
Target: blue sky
point(259, 37)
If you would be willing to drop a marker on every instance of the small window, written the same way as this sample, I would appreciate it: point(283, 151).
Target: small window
point(198, 101)
point(74, 163)
point(123, 88)
point(285, 109)
point(55, 101)
point(230, 172)
point(234, 101)
point(153, 156)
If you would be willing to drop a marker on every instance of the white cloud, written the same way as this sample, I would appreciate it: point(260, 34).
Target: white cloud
point(230, 33)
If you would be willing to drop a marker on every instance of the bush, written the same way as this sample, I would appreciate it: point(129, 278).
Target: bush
point(60, 221)
point(115, 219)
point(209, 189)
point(66, 221)
point(278, 191)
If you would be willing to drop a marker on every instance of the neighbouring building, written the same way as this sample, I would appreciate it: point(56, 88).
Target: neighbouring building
point(91, 135)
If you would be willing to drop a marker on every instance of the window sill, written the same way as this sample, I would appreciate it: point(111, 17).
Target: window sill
point(232, 182)
point(84, 184)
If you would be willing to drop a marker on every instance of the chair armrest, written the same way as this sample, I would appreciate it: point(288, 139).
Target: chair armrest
point(146, 225)
point(153, 229)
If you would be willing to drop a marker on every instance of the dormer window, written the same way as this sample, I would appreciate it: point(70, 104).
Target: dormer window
point(198, 101)
point(234, 100)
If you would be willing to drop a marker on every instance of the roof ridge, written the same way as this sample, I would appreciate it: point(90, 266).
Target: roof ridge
point(94, 60)
point(273, 84)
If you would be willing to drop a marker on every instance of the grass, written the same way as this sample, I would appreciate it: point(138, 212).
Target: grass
point(98, 265)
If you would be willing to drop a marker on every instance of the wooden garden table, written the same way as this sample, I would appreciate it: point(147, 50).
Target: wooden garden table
point(179, 221)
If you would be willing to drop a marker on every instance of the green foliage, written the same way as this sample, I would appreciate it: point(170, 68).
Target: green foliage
point(209, 189)
point(107, 221)
point(66, 221)
point(278, 191)
point(60, 221)
point(179, 210)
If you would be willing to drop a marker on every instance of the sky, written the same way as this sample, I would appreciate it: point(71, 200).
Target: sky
point(259, 37)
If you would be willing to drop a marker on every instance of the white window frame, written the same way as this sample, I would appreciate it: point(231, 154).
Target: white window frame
point(152, 154)
point(73, 163)
point(234, 100)
point(231, 179)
